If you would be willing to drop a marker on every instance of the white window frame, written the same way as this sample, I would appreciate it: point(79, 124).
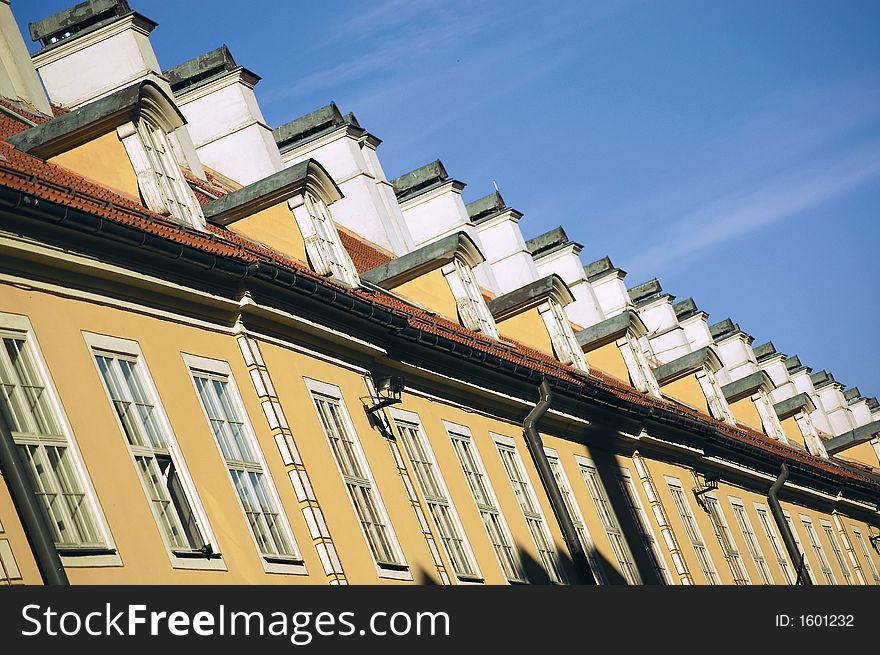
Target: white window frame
point(718, 405)
point(831, 534)
point(726, 541)
point(751, 539)
point(577, 518)
point(643, 524)
point(565, 345)
point(537, 518)
point(637, 364)
point(102, 344)
point(218, 368)
point(866, 554)
point(473, 312)
point(164, 191)
point(789, 571)
point(106, 555)
point(412, 419)
point(692, 528)
point(797, 542)
point(324, 248)
point(488, 512)
point(818, 550)
point(398, 570)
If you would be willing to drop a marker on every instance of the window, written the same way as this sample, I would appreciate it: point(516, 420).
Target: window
point(436, 495)
point(565, 345)
point(522, 488)
point(824, 565)
point(484, 497)
point(160, 179)
point(745, 526)
point(725, 538)
point(33, 414)
point(838, 553)
point(610, 522)
point(806, 563)
point(244, 461)
point(576, 518)
point(776, 544)
point(640, 519)
point(356, 475)
point(153, 448)
point(866, 554)
point(693, 531)
point(472, 310)
point(324, 249)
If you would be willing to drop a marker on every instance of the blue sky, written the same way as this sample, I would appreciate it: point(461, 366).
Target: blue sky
point(731, 149)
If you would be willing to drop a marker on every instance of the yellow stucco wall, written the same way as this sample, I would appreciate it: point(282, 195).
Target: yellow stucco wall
point(792, 431)
point(105, 161)
point(688, 391)
point(527, 327)
point(275, 227)
point(744, 411)
point(431, 290)
point(608, 359)
point(863, 453)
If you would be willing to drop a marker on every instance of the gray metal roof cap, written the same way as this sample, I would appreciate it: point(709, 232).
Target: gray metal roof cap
point(852, 393)
point(548, 241)
point(271, 190)
point(422, 260)
point(416, 180)
point(791, 406)
point(599, 268)
point(746, 386)
point(322, 120)
point(687, 364)
point(822, 379)
point(723, 328)
point(491, 204)
point(765, 350)
point(852, 438)
point(610, 330)
point(98, 117)
point(76, 18)
point(530, 295)
point(202, 68)
point(685, 308)
point(645, 290)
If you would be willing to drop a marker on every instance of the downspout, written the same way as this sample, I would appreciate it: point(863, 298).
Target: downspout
point(32, 515)
point(797, 558)
point(536, 448)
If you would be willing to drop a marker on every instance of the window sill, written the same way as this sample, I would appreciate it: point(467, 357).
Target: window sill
point(284, 566)
point(85, 558)
point(470, 579)
point(197, 561)
point(394, 571)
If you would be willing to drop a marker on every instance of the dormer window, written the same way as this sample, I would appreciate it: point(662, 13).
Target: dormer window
point(160, 178)
point(472, 310)
point(565, 344)
point(323, 246)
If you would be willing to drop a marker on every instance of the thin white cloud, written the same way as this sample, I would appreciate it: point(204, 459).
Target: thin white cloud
point(746, 211)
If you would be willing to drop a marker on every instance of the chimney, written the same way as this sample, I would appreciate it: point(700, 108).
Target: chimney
point(505, 249)
point(432, 209)
point(608, 286)
point(734, 349)
point(553, 252)
point(667, 338)
point(830, 393)
point(861, 411)
point(225, 122)
point(18, 78)
point(694, 322)
point(349, 153)
point(99, 47)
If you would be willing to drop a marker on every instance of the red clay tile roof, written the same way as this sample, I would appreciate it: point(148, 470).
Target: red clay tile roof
point(59, 185)
point(364, 255)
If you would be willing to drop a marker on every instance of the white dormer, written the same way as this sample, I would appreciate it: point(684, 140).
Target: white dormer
point(506, 251)
point(554, 253)
point(225, 121)
point(433, 208)
point(97, 48)
point(349, 153)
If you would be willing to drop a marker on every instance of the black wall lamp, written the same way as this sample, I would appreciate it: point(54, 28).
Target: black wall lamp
point(388, 392)
point(710, 481)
